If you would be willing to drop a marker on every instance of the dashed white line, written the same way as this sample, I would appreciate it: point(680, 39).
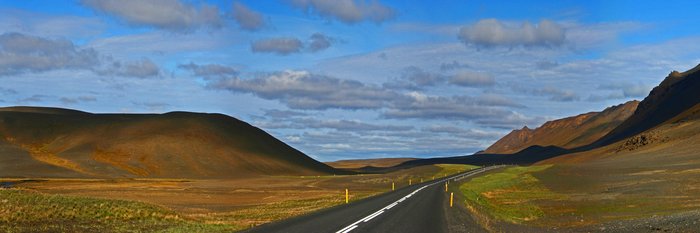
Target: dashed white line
point(381, 211)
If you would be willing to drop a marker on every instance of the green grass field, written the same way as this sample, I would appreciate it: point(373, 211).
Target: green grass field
point(508, 195)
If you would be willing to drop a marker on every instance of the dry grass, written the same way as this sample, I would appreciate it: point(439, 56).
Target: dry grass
point(580, 195)
point(23, 211)
point(192, 205)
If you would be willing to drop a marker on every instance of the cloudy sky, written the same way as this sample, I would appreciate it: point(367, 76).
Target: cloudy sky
point(342, 79)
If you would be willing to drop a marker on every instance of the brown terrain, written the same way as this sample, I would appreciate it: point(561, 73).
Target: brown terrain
point(570, 132)
point(54, 143)
point(222, 205)
point(364, 163)
point(642, 176)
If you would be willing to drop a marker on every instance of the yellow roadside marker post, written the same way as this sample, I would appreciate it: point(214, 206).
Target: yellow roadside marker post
point(347, 196)
point(445, 186)
point(451, 197)
point(392, 186)
point(421, 180)
point(409, 181)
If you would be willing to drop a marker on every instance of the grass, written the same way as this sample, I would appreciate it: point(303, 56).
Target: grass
point(22, 211)
point(248, 217)
point(509, 195)
point(449, 169)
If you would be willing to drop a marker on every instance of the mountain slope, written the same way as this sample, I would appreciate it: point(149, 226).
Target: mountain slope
point(663, 128)
point(567, 133)
point(676, 94)
point(50, 142)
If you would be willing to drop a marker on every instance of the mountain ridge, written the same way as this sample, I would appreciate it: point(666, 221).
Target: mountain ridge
point(568, 132)
point(668, 118)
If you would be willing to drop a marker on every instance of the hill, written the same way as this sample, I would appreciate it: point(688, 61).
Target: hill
point(666, 119)
point(361, 163)
point(678, 93)
point(570, 132)
point(664, 127)
point(52, 142)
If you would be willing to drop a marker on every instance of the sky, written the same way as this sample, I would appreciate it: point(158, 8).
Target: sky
point(347, 79)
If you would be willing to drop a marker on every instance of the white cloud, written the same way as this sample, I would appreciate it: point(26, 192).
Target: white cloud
point(347, 11)
point(319, 42)
point(414, 78)
point(492, 32)
point(173, 15)
point(472, 79)
point(556, 94)
point(160, 42)
point(462, 108)
point(281, 46)
point(209, 70)
point(21, 53)
point(288, 45)
point(143, 68)
point(304, 90)
point(246, 18)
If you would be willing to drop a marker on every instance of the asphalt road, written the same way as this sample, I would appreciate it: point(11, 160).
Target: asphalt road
point(418, 208)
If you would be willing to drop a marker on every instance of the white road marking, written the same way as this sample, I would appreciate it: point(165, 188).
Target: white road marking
point(372, 216)
point(375, 214)
point(381, 211)
point(349, 229)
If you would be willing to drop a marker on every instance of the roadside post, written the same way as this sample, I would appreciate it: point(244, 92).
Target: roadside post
point(452, 194)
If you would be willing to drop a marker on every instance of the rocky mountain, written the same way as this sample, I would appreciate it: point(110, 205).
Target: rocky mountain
point(678, 93)
point(570, 132)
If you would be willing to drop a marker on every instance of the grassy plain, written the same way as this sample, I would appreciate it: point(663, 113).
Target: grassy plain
point(181, 205)
point(570, 196)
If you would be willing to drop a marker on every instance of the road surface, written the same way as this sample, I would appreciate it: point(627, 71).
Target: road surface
point(418, 208)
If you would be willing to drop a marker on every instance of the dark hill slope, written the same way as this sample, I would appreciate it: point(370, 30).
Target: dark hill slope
point(676, 94)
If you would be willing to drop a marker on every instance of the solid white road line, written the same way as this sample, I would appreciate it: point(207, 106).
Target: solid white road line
point(372, 216)
point(349, 229)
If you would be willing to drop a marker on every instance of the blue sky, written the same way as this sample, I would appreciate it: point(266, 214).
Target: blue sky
point(348, 78)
